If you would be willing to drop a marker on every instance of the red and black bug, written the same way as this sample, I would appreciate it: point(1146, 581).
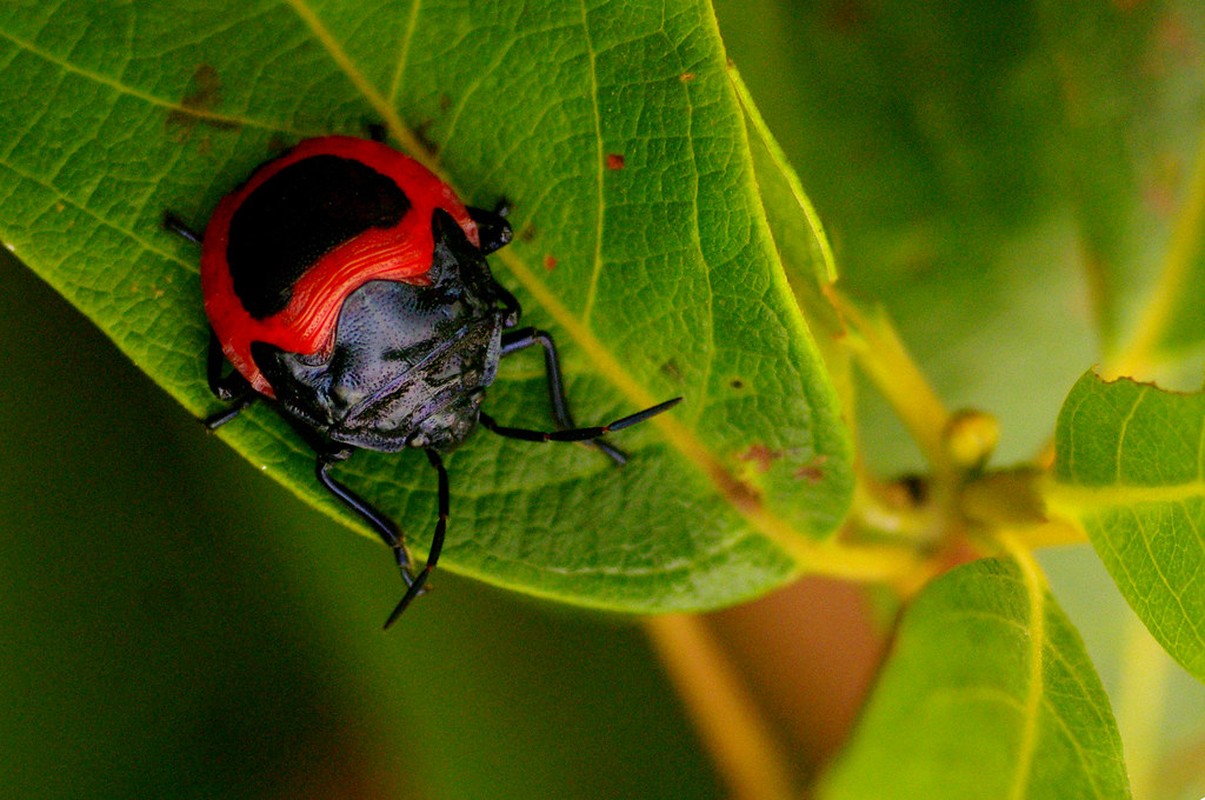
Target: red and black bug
point(347, 285)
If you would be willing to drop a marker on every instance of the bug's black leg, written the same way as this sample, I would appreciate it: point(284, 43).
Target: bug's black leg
point(232, 388)
point(224, 387)
point(437, 539)
point(514, 311)
point(493, 231)
point(376, 131)
point(384, 526)
point(577, 434)
point(220, 418)
point(173, 223)
point(514, 341)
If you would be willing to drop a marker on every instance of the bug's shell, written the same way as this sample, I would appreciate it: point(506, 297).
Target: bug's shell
point(283, 252)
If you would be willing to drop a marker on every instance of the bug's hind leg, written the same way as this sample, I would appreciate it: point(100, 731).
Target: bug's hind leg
point(587, 434)
point(385, 527)
point(417, 586)
point(232, 388)
point(513, 341)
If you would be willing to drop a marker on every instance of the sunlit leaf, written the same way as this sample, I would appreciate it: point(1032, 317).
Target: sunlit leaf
point(1005, 179)
point(988, 693)
point(1130, 468)
point(620, 145)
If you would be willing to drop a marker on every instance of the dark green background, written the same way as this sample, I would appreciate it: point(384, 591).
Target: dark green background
point(176, 625)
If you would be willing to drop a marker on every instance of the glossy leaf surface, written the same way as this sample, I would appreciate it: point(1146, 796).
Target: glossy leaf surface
point(641, 246)
point(1130, 469)
point(988, 693)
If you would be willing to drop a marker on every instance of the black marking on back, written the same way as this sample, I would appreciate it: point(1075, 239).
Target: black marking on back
point(299, 215)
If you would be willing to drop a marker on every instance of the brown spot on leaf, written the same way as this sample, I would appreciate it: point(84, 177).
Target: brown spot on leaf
point(742, 496)
point(422, 132)
point(813, 471)
point(527, 233)
point(737, 383)
point(686, 77)
point(550, 262)
point(614, 161)
point(671, 370)
point(760, 456)
point(204, 95)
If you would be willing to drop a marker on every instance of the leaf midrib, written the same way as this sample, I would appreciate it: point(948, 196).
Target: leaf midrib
point(1072, 497)
point(807, 553)
point(1035, 593)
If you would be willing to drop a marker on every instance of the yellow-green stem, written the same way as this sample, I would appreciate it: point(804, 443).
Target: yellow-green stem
point(882, 356)
point(725, 716)
point(1144, 674)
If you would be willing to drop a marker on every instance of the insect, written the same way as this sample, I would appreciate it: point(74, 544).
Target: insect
point(347, 286)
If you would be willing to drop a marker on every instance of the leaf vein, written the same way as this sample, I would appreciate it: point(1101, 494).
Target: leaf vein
point(403, 59)
point(124, 89)
point(1124, 428)
point(372, 94)
point(1034, 590)
point(596, 116)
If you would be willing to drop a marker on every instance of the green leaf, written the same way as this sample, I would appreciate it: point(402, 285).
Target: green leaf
point(1132, 161)
point(1006, 179)
point(655, 271)
point(803, 247)
point(1130, 469)
point(988, 693)
point(798, 231)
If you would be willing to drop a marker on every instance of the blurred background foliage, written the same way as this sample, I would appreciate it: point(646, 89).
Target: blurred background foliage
point(177, 627)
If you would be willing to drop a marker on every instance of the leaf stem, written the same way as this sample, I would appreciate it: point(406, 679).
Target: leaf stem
point(1053, 533)
point(725, 716)
point(1140, 705)
point(886, 361)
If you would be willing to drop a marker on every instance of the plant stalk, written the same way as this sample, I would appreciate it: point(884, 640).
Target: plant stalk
point(727, 719)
